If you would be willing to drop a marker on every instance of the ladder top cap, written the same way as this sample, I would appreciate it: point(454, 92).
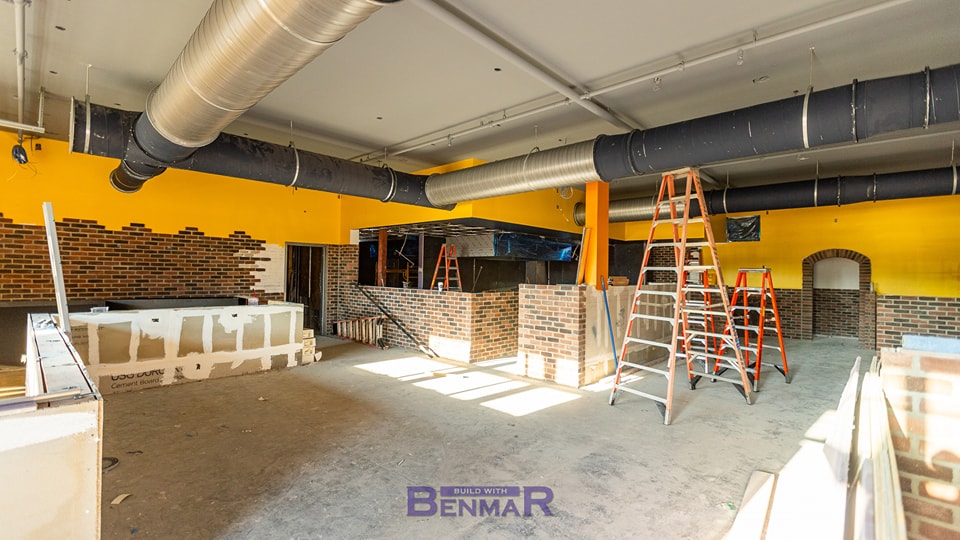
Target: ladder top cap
point(761, 269)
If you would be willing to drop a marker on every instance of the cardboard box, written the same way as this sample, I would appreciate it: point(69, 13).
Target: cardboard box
point(307, 333)
point(310, 342)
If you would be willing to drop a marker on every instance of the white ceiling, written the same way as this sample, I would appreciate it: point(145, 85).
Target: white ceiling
point(406, 78)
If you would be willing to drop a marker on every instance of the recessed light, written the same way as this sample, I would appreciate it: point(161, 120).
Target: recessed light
point(61, 28)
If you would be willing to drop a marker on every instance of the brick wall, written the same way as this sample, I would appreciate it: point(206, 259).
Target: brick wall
point(789, 302)
point(461, 326)
point(836, 312)
point(343, 267)
point(923, 315)
point(923, 398)
point(552, 332)
point(134, 262)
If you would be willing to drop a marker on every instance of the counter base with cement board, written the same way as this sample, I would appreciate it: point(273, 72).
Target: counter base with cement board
point(138, 349)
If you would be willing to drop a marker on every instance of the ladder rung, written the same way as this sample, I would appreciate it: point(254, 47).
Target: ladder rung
point(664, 372)
point(659, 269)
point(707, 334)
point(653, 292)
point(705, 312)
point(748, 289)
point(698, 267)
point(715, 376)
point(701, 289)
point(712, 355)
point(649, 342)
point(671, 243)
point(697, 219)
point(651, 317)
point(745, 308)
point(642, 394)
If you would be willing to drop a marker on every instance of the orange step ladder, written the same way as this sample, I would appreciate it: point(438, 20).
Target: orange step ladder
point(754, 309)
point(451, 268)
point(696, 306)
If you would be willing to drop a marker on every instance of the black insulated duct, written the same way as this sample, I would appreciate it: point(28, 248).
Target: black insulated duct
point(110, 133)
point(837, 191)
point(844, 114)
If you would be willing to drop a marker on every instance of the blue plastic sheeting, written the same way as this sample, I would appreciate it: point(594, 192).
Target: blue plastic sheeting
point(534, 248)
point(931, 344)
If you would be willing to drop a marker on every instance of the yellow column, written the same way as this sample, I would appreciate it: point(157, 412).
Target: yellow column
point(598, 221)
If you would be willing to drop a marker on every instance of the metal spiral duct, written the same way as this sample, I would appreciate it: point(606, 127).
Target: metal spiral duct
point(239, 53)
point(104, 131)
point(562, 166)
point(844, 114)
point(837, 191)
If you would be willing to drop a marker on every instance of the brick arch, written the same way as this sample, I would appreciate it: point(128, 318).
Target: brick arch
point(867, 326)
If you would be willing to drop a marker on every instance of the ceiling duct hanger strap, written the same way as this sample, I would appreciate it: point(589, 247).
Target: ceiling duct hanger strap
point(630, 153)
point(806, 108)
point(874, 187)
point(816, 185)
point(926, 114)
point(839, 178)
point(725, 211)
point(296, 171)
point(523, 167)
point(393, 185)
point(853, 111)
point(954, 192)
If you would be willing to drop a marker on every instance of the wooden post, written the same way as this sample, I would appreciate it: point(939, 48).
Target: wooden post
point(382, 259)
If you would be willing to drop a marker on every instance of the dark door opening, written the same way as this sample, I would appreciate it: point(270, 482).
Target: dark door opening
point(305, 273)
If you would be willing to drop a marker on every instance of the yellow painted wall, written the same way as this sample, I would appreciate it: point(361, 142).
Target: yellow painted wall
point(912, 244)
point(78, 186)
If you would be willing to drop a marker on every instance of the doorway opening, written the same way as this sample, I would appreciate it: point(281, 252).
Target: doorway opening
point(837, 294)
point(306, 274)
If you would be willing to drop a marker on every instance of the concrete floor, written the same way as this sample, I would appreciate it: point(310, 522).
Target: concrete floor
point(329, 450)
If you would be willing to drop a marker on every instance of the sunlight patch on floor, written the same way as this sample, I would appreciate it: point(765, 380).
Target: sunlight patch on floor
point(530, 401)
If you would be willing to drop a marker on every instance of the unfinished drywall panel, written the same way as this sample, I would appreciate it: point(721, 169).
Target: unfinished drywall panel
point(114, 342)
point(253, 331)
point(50, 464)
point(191, 336)
point(50, 443)
point(280, 333)
point(197, 343)
point(224, 334)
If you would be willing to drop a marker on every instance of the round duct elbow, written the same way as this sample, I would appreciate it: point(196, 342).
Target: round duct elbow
point(129, 177)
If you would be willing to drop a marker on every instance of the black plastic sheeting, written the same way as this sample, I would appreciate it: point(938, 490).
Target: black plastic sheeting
point(842, 114)
point(230, 155)
point(743, 229)
point(534, 248)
